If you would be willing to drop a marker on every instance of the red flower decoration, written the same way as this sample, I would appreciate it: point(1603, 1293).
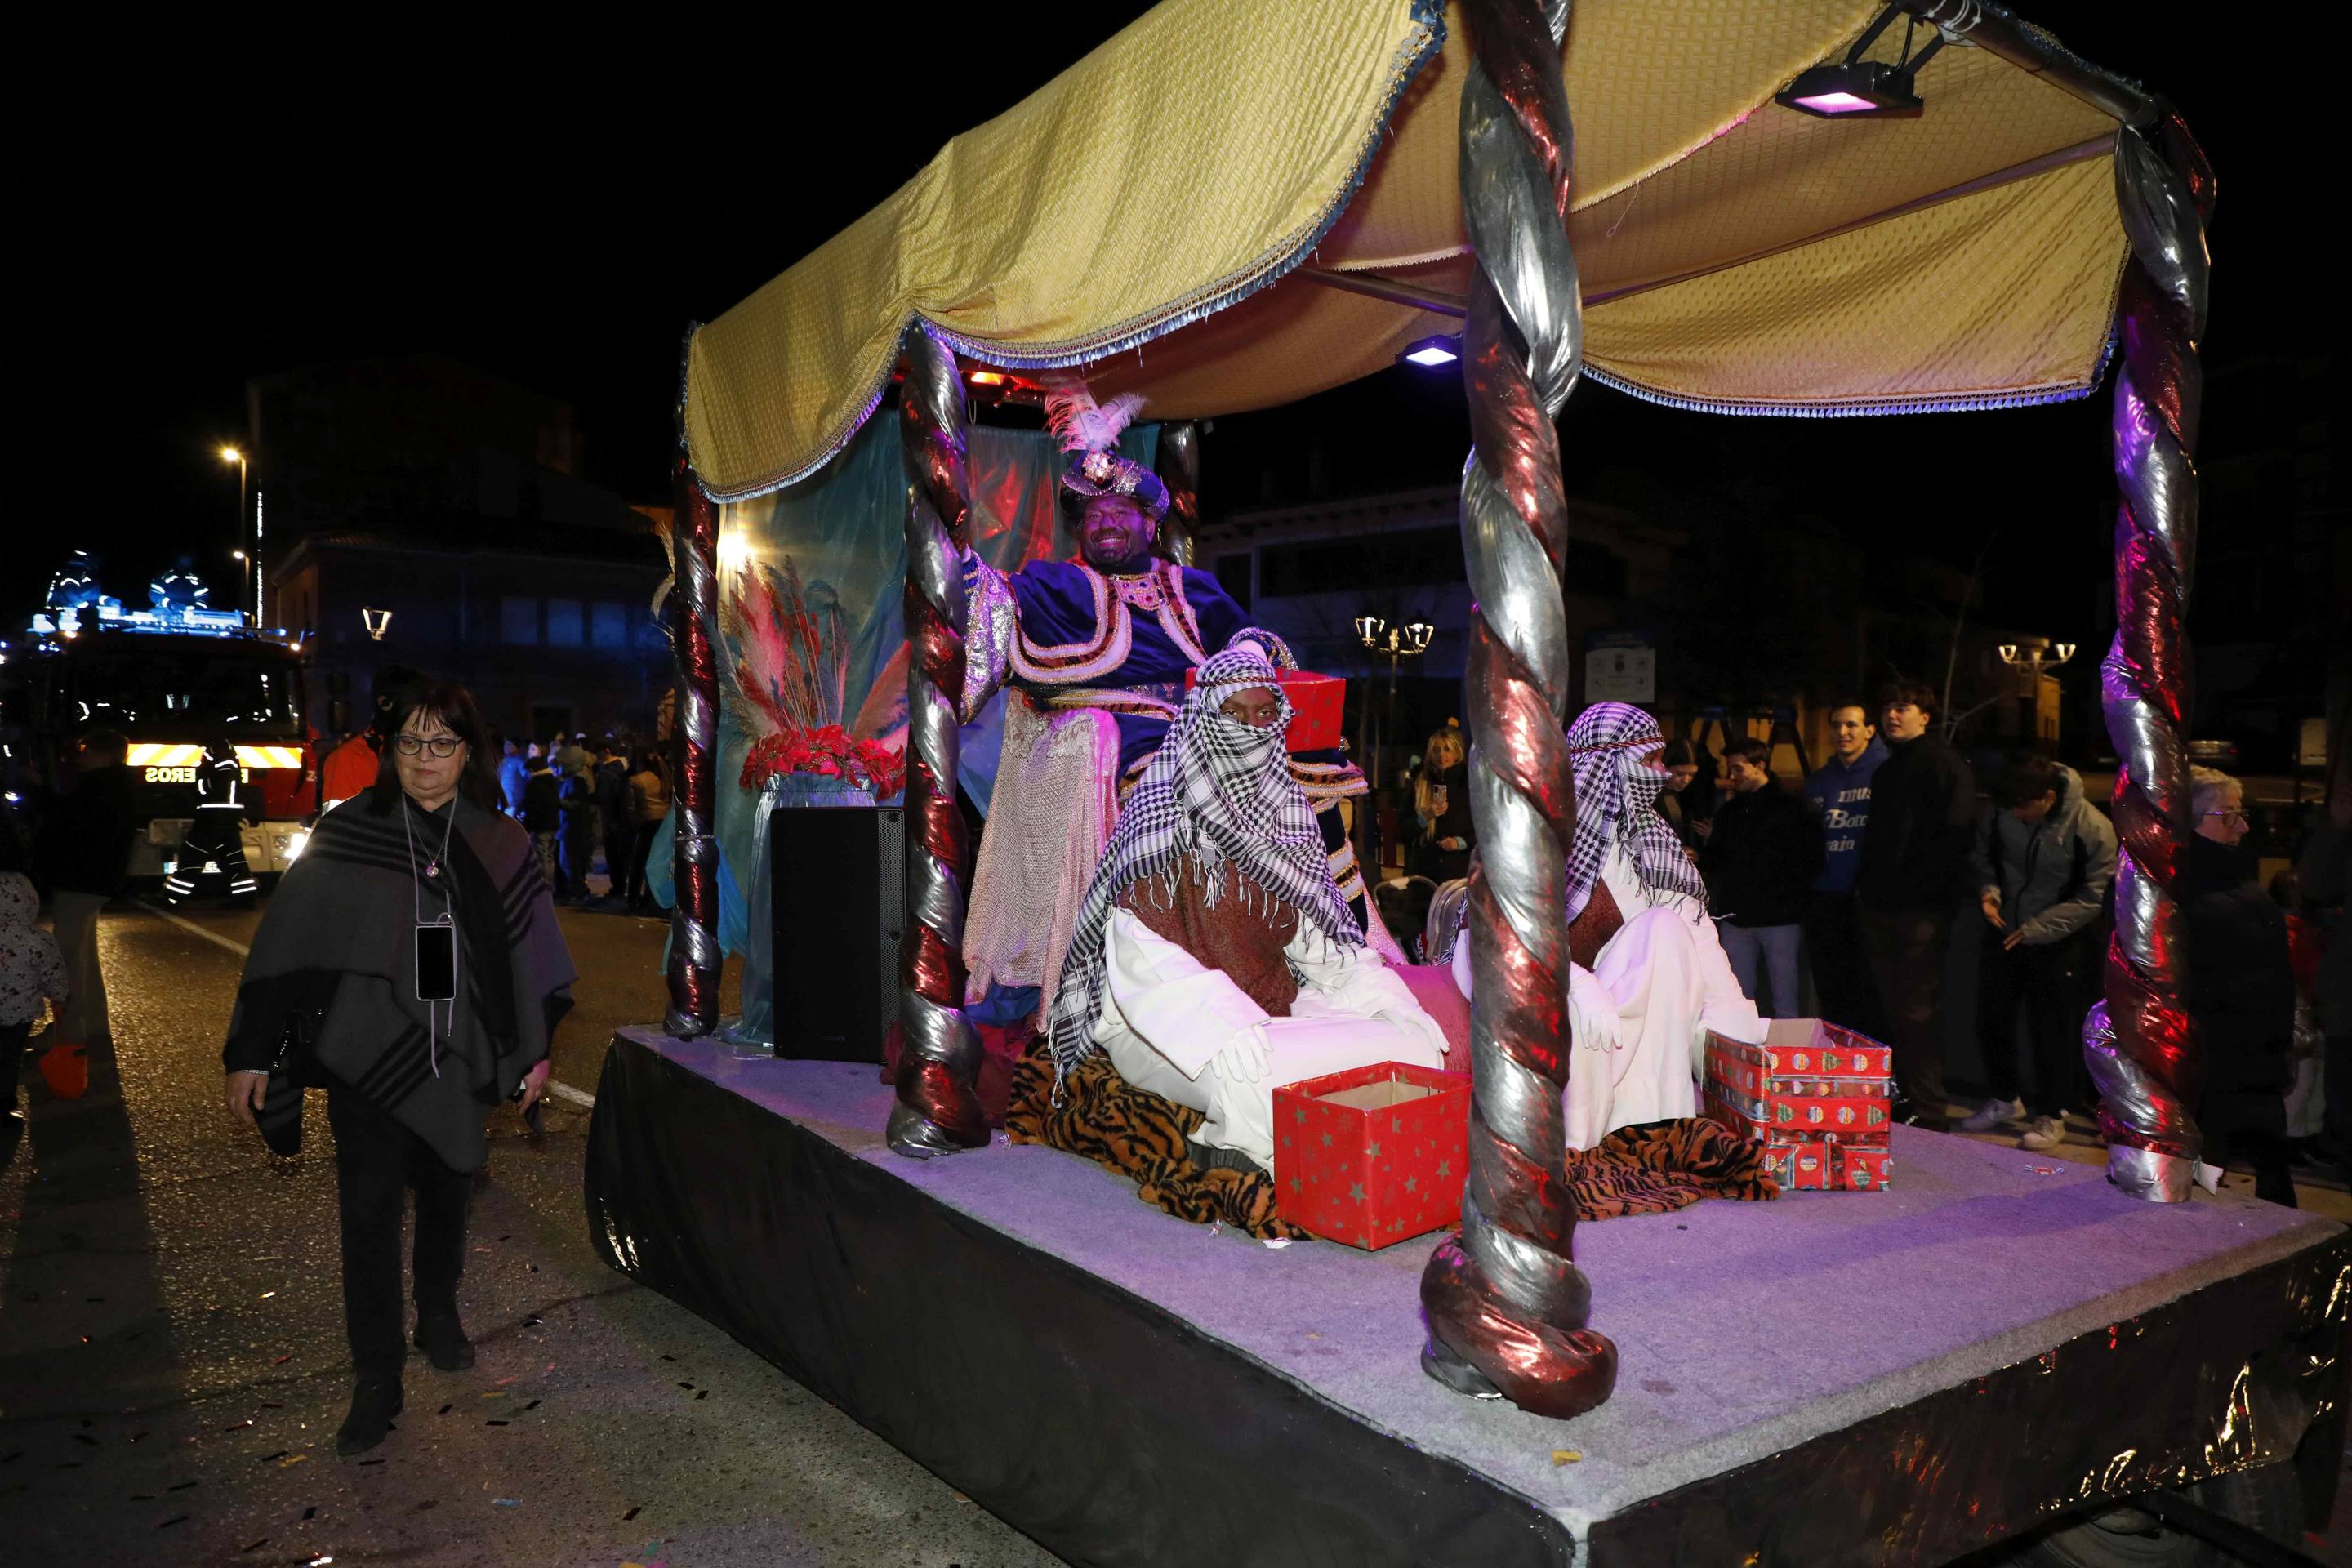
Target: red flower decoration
point(826, 753)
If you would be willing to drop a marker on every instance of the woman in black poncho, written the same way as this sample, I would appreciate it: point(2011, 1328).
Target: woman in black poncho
point(351, 985)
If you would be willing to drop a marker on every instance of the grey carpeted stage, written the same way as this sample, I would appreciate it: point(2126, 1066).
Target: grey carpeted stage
point(1745, 1330)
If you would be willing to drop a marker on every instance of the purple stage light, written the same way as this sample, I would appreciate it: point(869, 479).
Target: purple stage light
point(1430, 353)
point(1869, 88)
point(1834, 103)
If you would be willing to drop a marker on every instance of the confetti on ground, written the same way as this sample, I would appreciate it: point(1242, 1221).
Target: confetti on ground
point(142, 1497)
point(179, 1485)
point(281, 1361)
point(291, 1459)
point(310, 1512)
point(268, 1459)
point(319, 1562)
point(506, 1502)
point(508, 1378)
point(267, 1294)
point(365, 1463)
point(533, 1321)
point(532, 1406)
point(85, 1438)
point(1565, 1456)
point(256, 1545)
point(176, 1519)
point(1276, 1243)
point(136, 1435)
point(702, 1393)
point(494, 1394)
point(497, 1423)
point(446, 1409)
point(238, 1426)
point(686, 1386)
point(633, 1513)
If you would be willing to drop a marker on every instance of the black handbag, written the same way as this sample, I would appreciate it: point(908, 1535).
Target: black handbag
point(280, 1116)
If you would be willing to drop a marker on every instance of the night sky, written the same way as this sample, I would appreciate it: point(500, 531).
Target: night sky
point(556, 208)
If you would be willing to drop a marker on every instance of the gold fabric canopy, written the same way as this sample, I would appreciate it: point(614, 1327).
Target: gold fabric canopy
point(1170, 214)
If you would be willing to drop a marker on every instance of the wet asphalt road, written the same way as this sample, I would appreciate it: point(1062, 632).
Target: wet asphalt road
point(172, 1365)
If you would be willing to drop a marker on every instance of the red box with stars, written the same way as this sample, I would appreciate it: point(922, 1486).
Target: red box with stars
point(1374, 1155)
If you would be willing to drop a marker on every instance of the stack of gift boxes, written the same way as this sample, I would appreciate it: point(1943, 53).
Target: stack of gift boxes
point(1816, 1096)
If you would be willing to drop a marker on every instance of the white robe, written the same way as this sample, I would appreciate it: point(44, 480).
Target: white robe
point(1640, 1015)
point(1165, 1018)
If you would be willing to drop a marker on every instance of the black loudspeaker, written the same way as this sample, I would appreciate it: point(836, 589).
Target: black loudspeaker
point(840, 882)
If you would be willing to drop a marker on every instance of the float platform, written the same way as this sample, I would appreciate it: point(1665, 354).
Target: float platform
point(1892, 1377)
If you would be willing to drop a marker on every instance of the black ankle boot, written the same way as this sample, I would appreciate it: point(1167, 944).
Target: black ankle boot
point(374, 1402)
point(442, 1339)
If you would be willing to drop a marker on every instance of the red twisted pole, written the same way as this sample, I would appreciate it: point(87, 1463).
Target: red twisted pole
point(937, 1109)
point(694, 956)
point(2141, 1043)
point(1506, 1304)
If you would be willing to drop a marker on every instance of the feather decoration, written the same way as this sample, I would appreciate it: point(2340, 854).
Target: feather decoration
point(1072, 414)
point(791, 662)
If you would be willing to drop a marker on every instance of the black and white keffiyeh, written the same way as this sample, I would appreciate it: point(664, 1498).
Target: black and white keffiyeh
point(1219, 792)
point(1616, 801)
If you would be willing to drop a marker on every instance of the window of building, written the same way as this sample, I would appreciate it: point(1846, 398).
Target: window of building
point(1407, 559)
point(609, 628)
point(563, 623)
point(1234, 577)
point(519, 619)
point(1593, 570)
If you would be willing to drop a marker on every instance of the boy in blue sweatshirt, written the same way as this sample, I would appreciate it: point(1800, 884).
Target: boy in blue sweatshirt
point(1840, 792)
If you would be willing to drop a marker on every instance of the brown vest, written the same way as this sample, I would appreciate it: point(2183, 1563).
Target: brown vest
point(1594, 924)
point(1244, 935)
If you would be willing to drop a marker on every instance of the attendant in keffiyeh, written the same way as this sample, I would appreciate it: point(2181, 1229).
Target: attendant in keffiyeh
point(1214, 957)
point(1647, 977)
point(413, 1063)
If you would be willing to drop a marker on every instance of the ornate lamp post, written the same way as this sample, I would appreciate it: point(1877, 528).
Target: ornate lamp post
point(2031, 663)
point(1396, 643)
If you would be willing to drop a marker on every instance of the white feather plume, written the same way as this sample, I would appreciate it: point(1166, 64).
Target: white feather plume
point(1072, 414)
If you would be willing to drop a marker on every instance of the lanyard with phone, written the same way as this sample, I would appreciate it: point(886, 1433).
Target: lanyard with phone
point(436, 939)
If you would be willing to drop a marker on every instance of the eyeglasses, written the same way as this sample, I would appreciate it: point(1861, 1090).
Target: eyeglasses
point(2233, 817)
point(439, 745)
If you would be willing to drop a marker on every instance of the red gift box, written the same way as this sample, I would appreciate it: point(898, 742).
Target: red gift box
point(1801, 1167)
point(1797, 1050)
point(1862, 1168)
point(1315, 701)
point(1374, 1155)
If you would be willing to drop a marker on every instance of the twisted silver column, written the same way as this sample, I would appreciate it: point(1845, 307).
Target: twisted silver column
point(1179, 469)
point(694, 956)
point(1506, 1306)
point(938, 1108)
point(2141, 1044)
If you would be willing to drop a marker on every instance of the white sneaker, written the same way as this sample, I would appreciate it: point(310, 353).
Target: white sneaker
point(1996, 1114)
point(2043, 1132)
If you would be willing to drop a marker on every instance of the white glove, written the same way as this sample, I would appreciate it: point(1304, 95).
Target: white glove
point(1244, 1058)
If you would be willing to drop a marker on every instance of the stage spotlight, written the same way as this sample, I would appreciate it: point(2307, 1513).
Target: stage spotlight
point(1855, 86)
point(1430, 352)
point(988, 378)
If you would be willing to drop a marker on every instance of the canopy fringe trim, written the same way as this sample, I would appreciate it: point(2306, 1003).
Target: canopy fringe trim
point(1952, 403)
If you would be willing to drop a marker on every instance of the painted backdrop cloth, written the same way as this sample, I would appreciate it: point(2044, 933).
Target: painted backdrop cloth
point(336, 955)
point(844, 531)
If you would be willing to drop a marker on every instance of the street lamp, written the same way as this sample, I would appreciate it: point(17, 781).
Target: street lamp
point(2032, 663)
point(377, 621)
point(232, 455)
point(1396, 643)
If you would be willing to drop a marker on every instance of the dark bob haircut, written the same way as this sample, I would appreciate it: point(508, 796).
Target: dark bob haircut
point(452, 705)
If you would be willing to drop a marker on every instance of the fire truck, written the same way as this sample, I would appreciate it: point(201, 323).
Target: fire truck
point(170, 679)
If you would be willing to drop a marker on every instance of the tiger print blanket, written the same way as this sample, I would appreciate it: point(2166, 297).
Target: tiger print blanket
point(1636, 1170)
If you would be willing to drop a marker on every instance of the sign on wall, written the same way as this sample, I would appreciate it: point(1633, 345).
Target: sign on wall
point(1620, 667)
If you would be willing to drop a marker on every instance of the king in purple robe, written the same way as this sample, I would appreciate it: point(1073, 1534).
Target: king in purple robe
point(1092, 655)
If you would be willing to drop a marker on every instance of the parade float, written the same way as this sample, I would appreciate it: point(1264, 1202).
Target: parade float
point(1817, 208)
